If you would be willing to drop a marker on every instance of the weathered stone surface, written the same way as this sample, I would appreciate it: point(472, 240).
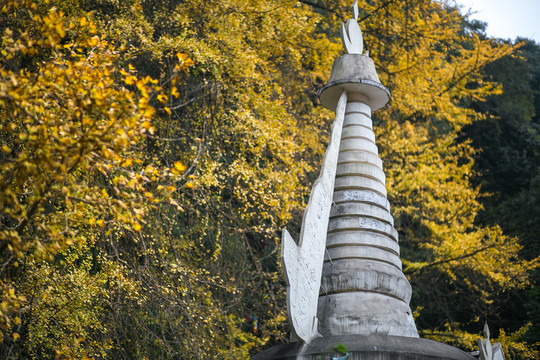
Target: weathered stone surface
point(360, 183)
point(359, 157)
point(359, 119)
point(366, 347)
point(358, 105)
point(363, 288)
point(303, 262)
point(363, 295)
point(358, 252)
point(354, 66)
point(361, 169)
point(351, 35)
point(364, 312)
point(354, 73)
point(362, 237)
point(358, 145)
point(358, 131)
point(361, 209)
point(488, 351)
point(361, 195)
point(358, 226)
point(361, 223)
point(356, 275)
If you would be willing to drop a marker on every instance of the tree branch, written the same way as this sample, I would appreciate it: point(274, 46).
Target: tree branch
point(376, 10)
point(453, 259)
point(314, 3)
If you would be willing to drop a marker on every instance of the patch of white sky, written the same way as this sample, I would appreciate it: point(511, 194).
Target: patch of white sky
point(506, 19)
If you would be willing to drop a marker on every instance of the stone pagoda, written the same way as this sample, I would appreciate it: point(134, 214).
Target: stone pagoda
point(344, 277)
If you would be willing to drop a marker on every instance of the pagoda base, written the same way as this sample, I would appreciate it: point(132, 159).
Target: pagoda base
point(366, 347)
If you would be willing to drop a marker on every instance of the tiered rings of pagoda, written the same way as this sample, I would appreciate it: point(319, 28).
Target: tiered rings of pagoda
point(363, 290)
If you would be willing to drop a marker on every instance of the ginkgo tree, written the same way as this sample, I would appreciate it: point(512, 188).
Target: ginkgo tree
point(153, 150)
point(72, 123)
point(114, 247)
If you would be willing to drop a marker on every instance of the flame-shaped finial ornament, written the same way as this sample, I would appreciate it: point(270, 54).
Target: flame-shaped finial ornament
point(351, 35)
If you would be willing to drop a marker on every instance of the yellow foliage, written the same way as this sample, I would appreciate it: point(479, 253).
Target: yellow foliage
point(214, 153)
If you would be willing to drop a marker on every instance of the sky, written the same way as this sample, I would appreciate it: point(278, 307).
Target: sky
point(507, 19)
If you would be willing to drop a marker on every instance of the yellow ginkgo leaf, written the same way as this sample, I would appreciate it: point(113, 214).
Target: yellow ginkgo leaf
point(179, 166)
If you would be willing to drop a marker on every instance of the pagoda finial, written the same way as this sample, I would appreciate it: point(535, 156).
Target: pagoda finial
point(351, 35)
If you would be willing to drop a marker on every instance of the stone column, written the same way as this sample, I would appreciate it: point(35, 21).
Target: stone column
point(363, 290)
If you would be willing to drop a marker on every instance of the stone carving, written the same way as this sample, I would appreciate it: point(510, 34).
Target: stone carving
point(351, 35)
point(303, 262)
point(487, 351)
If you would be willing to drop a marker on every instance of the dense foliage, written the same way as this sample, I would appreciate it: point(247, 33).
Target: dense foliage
point(151, 151)
point(508, 170)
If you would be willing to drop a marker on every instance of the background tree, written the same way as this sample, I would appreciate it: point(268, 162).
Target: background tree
point(153, 150)
point(159, 257)
point(76, 191)
point(507, 168)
